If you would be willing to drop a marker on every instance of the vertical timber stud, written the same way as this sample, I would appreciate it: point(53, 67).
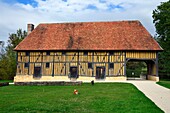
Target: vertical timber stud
point(65, 63)
point(42, 69)
point(125, 64)
point(92, 64)
point(17, 61)
point(53, 65)
point(108, 63)
point(29, 63)
point(157, 64)
point(78, 65)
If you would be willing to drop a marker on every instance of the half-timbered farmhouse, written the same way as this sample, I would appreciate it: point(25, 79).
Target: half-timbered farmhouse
point(85, 51)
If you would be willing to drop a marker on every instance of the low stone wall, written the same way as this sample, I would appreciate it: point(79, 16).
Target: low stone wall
point(49, 83)
point(4, 84)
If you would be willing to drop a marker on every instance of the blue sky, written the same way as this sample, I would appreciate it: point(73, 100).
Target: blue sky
point(32, 2)
point(17, 14)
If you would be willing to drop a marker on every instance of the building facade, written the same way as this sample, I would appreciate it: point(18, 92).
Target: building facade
point(85, 51)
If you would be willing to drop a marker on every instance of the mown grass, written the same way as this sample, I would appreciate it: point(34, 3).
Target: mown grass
point(100, 98)
point(10, 81)
point(165, 83)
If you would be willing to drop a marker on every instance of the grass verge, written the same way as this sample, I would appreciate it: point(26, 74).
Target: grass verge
point(165, 83)
point(10, 81)
point(100, 98)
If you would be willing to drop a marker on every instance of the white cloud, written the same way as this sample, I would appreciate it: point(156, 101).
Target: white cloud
point(17, 15)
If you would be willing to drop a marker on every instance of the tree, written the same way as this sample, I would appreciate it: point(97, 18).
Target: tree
point(161, 19)
point(8, 60)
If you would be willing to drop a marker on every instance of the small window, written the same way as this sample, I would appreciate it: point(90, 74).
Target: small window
point(111, 65)
point(63, 53)
point(85, 53)
point(111, 53)
point(47, 65)
point(26, 65)
point(48, 53)
point(90, 65)
point(27, 53)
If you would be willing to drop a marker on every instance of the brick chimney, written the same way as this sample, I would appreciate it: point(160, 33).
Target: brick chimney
point(30, 28)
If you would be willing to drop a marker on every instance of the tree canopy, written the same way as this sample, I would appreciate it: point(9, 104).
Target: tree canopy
point(8, 57)
point(161, 19)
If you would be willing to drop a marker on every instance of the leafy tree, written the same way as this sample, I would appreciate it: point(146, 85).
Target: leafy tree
point(161, 19)
point(8, 60)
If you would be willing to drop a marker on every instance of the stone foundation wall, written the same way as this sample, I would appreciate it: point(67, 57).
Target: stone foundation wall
point(48, 83)
point(29, 78)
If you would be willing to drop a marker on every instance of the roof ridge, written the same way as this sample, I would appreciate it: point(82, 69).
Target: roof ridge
point(92, 22)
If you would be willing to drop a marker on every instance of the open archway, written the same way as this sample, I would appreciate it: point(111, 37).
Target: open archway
point(140, 69)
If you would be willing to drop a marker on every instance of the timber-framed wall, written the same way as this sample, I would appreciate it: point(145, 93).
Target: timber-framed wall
point(59, 63)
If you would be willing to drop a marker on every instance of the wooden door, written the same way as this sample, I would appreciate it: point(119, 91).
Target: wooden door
point(100, 72)
point(37, 72)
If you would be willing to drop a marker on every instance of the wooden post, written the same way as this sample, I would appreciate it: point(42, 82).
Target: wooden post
point(78, 65)
point(42, 69)
point(156, 63)
point(125, 64)
point(29, 63)
point(108, 63)
point(92, 64)
point(53, 66)
point(17, 62)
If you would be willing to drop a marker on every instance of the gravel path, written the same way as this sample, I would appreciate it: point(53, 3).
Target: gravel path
point(158, 94)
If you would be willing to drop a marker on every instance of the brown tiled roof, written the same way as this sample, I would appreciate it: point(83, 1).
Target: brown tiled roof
point(120, 35)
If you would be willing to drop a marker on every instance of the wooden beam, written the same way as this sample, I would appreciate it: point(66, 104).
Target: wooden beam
point(156, 63)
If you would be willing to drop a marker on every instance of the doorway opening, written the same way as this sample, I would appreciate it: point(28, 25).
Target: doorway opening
point(100, 72)
point(73, 72)
point(37, 72)
point(136, 70)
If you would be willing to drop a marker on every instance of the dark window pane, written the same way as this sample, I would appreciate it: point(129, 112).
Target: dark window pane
point(48, 53)
point(111, 53)
point(85, 53)
point(27, 53)
point(90, 65)
point(63, 53)
point(111, 65)
point(26, 65)
point(47, 65)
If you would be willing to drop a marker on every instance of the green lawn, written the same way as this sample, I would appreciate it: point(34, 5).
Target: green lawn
point(10, 81)
point(165, 83)
point(100, 98)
